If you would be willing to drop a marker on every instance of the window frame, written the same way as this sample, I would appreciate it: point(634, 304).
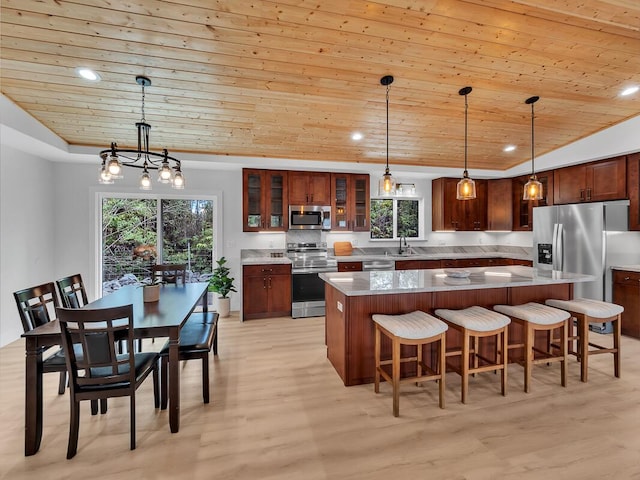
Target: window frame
point(395, 199)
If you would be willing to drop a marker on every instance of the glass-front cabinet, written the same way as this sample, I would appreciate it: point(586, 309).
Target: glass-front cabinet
point(350, 202)
point(264, 205)
point(523, 209)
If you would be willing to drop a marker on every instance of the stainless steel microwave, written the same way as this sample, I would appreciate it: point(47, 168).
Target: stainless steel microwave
point(309, 217)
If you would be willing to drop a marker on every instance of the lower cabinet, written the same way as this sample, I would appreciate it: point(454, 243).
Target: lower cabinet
point(417, 264)
point(266, 291)
point(349, 266)
point(626, 292)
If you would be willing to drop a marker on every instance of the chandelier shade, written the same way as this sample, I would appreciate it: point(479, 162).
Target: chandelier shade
point(533, 188)
point(114, 158)
point(466, 188)
point(386, 185)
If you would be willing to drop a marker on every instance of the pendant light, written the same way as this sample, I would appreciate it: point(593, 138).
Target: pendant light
point(387, 184)
point(466, 189)
point(533, 188)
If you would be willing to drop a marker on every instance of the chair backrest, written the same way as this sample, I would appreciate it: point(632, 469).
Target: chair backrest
point(170, 272)
point(36, 305)
point(72, 291)
point(95, 333)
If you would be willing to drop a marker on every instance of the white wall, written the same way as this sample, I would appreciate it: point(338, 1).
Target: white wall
point(28, 230)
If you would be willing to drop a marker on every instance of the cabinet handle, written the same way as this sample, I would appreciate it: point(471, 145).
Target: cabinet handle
point(264, 283)
point(627, 278)
point(589, 193)
point(269, 282)
point(581, 195)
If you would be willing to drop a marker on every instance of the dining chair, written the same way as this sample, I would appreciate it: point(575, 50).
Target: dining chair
point(36, 306)
point(170, 272)
point(102, 372)
point(72, 291)
point(198, 336)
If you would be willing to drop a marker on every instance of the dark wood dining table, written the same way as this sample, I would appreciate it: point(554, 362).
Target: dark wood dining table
point(163, 318)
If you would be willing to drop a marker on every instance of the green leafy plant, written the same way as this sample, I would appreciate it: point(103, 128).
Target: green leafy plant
point(220, 282)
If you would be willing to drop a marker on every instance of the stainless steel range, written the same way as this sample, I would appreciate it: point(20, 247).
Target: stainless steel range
point(307, 289)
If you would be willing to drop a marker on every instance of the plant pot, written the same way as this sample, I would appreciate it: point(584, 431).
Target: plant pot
point(223, 306)
point(151, 293)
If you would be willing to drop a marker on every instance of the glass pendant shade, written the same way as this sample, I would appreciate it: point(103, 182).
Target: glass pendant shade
point(178, 181)
point(532, 189)
point(145, 180)
point(466, 189)
point(387, 184)
point(114, 167)
point(105, 176)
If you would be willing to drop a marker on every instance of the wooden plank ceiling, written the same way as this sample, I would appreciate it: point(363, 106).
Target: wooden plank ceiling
point(294, 78)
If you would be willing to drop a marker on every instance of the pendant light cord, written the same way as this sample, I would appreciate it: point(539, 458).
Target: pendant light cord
point(466, 108)
point(533, 170)
point(387, 169)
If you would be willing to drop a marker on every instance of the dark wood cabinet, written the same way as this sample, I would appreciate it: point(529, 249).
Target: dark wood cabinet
point(350, 202)
point(499, 206)
point(417, 264)
point(349, 266)
point(448, 213)
point(626, 292)
point(266, 291)
point(309, 188)
point(523, 209)
point(633, 189)
point(264, 200)
point(591, 182)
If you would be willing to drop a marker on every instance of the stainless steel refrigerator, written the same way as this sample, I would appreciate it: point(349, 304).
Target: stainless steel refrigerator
point(584, 238)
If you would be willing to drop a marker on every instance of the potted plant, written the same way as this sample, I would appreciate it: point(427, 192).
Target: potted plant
point(221, 283)
point(151, 290)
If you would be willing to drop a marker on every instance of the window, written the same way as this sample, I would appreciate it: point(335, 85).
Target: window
point(138, 232)
point(392, 218)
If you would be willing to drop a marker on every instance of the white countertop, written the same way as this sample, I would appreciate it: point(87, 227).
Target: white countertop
point(416, 281)
point(628, 268)
point(265, 260)
point(430, 256)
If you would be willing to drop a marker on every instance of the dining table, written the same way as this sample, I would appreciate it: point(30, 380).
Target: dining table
point(162, 318)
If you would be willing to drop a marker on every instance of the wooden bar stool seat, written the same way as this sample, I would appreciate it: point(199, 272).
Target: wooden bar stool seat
point(475, 323)
point(534, 317)
point(587, 311)
point(415, 328)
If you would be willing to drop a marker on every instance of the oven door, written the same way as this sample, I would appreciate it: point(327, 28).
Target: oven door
point(307, 295)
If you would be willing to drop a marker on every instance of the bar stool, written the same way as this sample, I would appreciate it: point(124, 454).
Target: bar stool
point(534, 317)
point(415, 328)
point(588, 311)
point(474, 323)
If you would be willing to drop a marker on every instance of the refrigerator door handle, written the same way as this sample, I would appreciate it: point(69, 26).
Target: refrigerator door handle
point(554, 247)
point(560, 246)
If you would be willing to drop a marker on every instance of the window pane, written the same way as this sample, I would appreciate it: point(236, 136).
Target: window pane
point(187, 234)
point(407, 222)
point(381, 218)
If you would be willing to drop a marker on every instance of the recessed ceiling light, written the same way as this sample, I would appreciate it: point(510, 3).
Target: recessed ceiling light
point(88, 74)
point(356, 136)
point(509, 148)
point(629, 91)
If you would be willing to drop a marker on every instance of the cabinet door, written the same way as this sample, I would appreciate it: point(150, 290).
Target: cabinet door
point(361, 201)
point(607, 180)
point(319, 188)
point(340, 204)
point(626, 292)
point(298, 188)
point(253, 186)
point(279, 287)
point(476, 209)
point(276, 201)
point(633, 189)
point(569, 185)
point(499, 206)
point(255, 296)
point(447, 212)
point(522, 215)
point(349, 266)
point(417, 264)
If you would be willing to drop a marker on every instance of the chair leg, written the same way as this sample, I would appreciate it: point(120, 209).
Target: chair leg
point(464, 365)
point(205, 377)
point(617, 330)
point(164, 380)
point(395, 364)
point(565, 354)
point(442, 368)
point(156, 386)
point(583, 347)
point(132, 416)
point(63, 383)
point(528, 356)
point(74, 426)
point(504, 359)
point(376, 377)
point(94, 407)
point(103, 406)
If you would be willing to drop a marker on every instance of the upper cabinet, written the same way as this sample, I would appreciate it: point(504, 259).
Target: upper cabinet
point(448, 213)
point(499, 209)
point(633, 189)
point(309, 188)
point(349, 202)
point(591, 182)
point(523, 209)
point(264, 205)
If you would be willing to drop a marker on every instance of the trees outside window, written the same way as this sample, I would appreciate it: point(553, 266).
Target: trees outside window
point(393, 218)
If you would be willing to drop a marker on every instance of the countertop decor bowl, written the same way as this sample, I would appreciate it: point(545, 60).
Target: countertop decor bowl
point(457, 273)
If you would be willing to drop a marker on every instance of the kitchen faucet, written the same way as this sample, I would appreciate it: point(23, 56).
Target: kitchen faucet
point(400, 250)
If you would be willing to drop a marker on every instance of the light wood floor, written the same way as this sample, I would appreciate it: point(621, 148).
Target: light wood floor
point(279, 411)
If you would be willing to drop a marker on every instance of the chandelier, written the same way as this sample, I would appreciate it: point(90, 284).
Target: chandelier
point(114, 158)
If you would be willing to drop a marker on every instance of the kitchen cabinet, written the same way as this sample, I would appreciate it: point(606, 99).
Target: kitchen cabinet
point(499, 208)
point(591, 182)
point(523, 209)
point(266, 291)
point(517, 261)
point(448, 213)
point(349, 266)
point(264, 200)
point(309, 188)
point(633, 189)
point(417, 264)
point(626, 292)
point(350, 202)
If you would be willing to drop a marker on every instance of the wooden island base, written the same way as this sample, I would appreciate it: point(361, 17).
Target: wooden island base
point(350, 329)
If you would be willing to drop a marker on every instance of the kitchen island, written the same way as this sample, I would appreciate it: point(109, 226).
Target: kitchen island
point(352, 297)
